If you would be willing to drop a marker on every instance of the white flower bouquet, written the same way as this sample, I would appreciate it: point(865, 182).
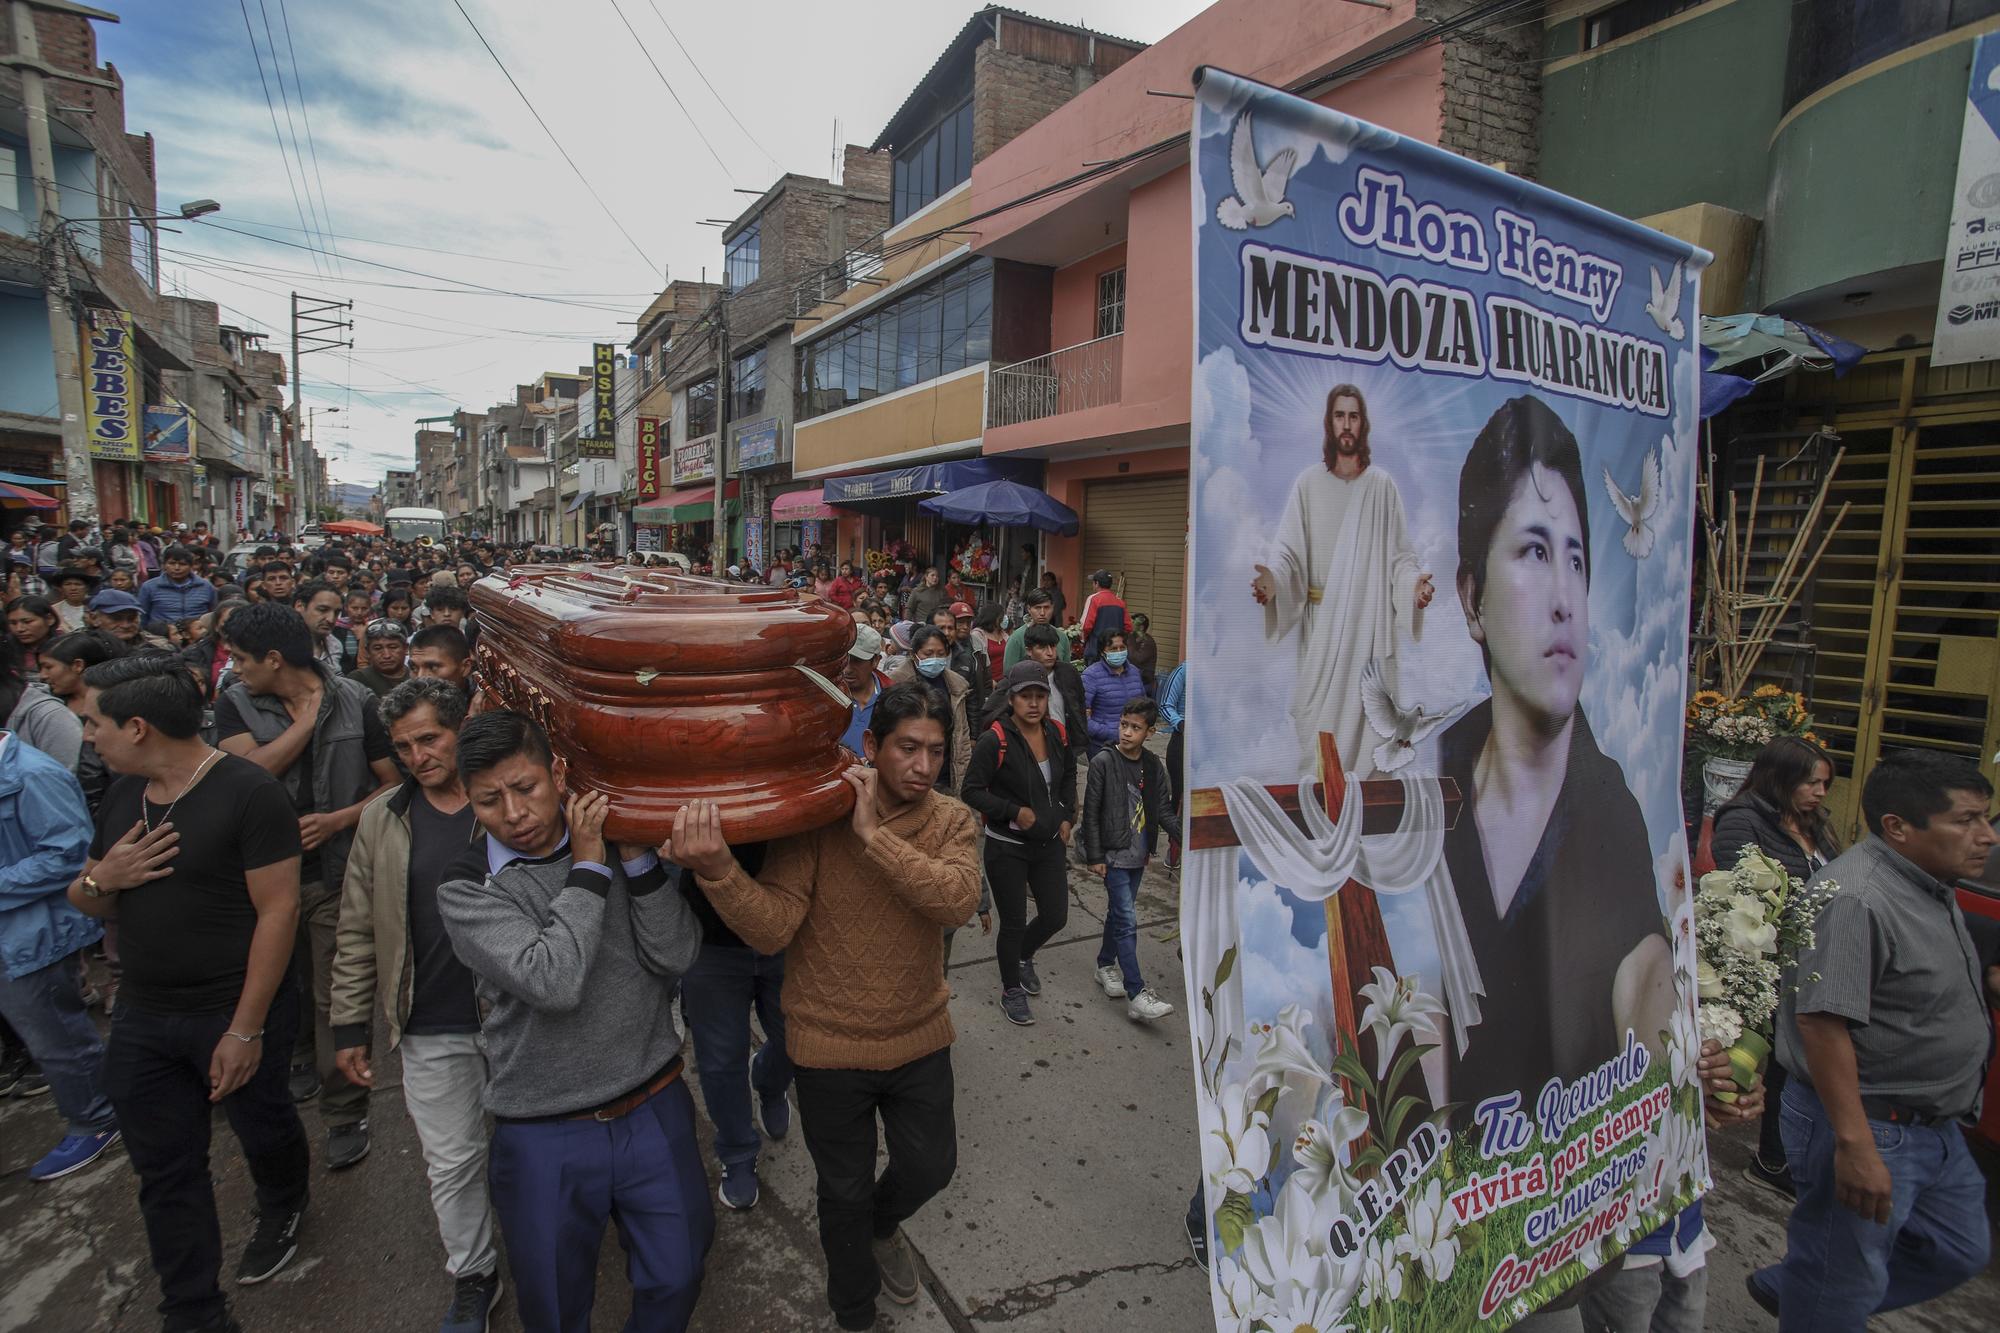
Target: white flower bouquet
point(1750, 923)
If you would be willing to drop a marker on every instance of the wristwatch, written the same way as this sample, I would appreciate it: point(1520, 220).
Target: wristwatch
point(90, 888)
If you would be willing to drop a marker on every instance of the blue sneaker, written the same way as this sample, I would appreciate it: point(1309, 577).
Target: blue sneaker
point(74, 1153)
point(776, 1112)
point(739, 1186)
point(472, 1302)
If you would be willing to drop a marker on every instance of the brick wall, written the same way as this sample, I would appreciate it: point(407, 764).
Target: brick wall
point(1492, 88)
point(1011, 92)
point(863, 172)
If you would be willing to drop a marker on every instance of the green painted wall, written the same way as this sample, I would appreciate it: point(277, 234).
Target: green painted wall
point(1862, 182)
point(1682, 117)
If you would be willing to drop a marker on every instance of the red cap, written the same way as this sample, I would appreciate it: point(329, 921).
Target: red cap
point(960, 609)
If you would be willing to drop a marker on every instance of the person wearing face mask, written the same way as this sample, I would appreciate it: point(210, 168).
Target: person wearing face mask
point(1109, 684)
point(930, 663)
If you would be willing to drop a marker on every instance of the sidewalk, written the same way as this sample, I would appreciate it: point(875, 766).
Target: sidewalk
point(1076, 1157)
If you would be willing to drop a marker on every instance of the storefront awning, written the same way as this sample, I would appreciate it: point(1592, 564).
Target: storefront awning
point(582, 499)
point(23, 479)
point(913, 483)
point(1007, 504)
point(690, 504)
point(801, 507)
point(21, 495)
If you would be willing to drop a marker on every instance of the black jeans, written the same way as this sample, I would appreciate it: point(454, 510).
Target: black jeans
point(837, 1110)
point(156, 1074)
point(1017, 869)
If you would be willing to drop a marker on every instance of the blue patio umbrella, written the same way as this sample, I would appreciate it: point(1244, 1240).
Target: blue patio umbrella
point(1007, 503)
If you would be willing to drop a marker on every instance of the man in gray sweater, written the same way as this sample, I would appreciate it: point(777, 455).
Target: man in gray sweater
point(577, 958)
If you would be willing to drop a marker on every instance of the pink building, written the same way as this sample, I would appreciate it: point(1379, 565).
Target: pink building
point(1106, 404)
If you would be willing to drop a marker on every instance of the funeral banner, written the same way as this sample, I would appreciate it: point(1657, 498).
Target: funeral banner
point(1435, 907)
point(598, 437)
point(1968, 308)
point(111, 387)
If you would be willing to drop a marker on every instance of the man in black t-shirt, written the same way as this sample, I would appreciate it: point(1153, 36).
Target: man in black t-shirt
point(196, 856)
point(390, 929)
point(322, 737)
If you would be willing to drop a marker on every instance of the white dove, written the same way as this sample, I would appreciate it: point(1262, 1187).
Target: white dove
point(1260, 191)
point(1402, 730)
point(1639, 510)
point(1665, 307)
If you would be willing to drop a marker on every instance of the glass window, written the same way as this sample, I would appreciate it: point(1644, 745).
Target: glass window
point(935, 329)
point(11, 188)
point(700, 409)
point(1111, 302)
point(935, 161)
point(746, 385)
point(740, 257)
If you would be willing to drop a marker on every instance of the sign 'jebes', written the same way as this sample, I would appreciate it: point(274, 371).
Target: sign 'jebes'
point(1443, 480)
point(113, 393)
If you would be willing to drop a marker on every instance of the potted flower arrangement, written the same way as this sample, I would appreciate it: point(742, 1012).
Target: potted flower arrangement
point(1750, 921)
point(1725, 734)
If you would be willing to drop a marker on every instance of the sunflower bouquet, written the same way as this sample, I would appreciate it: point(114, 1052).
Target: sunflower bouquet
point(1738, 728)
point(1750, 922)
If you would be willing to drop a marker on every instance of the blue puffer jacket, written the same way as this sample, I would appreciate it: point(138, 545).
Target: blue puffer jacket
point(44, 839)
point(1105, 694)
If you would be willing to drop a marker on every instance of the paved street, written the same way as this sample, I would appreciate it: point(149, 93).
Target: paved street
point(1076, 1155)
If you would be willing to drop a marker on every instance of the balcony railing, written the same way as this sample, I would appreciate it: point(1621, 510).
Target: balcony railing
point(1069, 379)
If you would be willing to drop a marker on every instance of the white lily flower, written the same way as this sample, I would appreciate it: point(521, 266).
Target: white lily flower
point(1707, 981)
point(1397, 1007)
point(1749, 933)
point(1235, 1140)
point(1317, 1150)
point(1381, 1272)
point(1428, 1239)
point(1683, 1047)
point(1283, 1050)
point(1239, 1302)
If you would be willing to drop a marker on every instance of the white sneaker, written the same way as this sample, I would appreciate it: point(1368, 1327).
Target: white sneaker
point(1113, 982)
point(1146, 1006)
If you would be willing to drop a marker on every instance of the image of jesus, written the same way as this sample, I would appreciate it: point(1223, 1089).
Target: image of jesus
point(1343, 574)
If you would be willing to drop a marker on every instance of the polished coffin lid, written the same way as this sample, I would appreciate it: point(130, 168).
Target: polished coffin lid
point(657, 688)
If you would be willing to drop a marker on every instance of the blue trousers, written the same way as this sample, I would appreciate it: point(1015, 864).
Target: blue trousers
point(1120, 944)
point(555, 1183)
point(717, 995)
point(46, 1009)
point(1839, 1268)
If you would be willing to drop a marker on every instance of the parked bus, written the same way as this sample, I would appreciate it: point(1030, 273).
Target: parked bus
point(409, 525)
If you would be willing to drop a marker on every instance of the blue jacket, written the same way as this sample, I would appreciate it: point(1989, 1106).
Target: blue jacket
point(1104, 698)
point(163, 599)
point(44, 839)
point(1173, 698)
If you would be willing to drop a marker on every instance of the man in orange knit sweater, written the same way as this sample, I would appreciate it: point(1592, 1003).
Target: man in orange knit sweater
point(857, 908)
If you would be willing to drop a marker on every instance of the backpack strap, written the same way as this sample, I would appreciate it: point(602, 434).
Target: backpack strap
point(1000, 732)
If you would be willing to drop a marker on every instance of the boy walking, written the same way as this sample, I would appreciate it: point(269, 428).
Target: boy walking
point(1127, 800)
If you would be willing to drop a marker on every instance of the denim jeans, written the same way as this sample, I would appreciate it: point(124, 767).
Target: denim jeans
point(1840, 1268)
point(46, 1008)
point(1647, 1299)
point(717, 995)
point(1120, 944)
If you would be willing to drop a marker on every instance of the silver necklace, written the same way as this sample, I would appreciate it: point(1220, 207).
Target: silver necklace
point(147, 819)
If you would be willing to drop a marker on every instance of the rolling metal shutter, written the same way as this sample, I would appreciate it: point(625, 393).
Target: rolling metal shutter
point(1138, 531)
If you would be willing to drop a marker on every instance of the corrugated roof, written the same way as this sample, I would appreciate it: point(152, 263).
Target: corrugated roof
point(975, 31)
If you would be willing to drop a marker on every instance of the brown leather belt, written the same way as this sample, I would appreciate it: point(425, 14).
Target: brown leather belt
point(614, 1109)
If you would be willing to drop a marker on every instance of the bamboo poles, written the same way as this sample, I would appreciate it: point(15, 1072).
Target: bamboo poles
point(1730, 600)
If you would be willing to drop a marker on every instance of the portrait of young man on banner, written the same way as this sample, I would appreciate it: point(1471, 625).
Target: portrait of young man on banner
point(1435, 901)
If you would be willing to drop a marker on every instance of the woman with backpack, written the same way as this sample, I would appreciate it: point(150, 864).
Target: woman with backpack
point(1022, 781)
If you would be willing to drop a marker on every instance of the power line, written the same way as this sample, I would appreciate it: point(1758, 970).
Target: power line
point(671, 93)
point(276, 134)
point(650, 265)
point(299, 87)
point(398, 245)
point(696, 66)
point(278, 73)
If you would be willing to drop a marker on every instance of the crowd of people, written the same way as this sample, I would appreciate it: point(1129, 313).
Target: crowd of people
point(259, 792)
point(268, 800)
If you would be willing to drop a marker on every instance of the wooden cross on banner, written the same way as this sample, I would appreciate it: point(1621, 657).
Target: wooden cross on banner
point(1357, 941)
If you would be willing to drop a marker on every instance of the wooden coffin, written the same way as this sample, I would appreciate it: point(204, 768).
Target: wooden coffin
point(657, 688)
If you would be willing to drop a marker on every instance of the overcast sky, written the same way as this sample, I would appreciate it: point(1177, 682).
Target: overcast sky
point(410, 141)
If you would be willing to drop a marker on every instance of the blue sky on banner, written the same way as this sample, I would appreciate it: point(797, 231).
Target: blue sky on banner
point(408, 135)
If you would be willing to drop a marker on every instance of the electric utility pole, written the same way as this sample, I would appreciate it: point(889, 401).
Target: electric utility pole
point(721, 561)
point(26, 58)
point(316, 327)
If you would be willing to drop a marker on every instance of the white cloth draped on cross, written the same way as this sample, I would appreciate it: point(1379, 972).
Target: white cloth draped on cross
point(1314, 864)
